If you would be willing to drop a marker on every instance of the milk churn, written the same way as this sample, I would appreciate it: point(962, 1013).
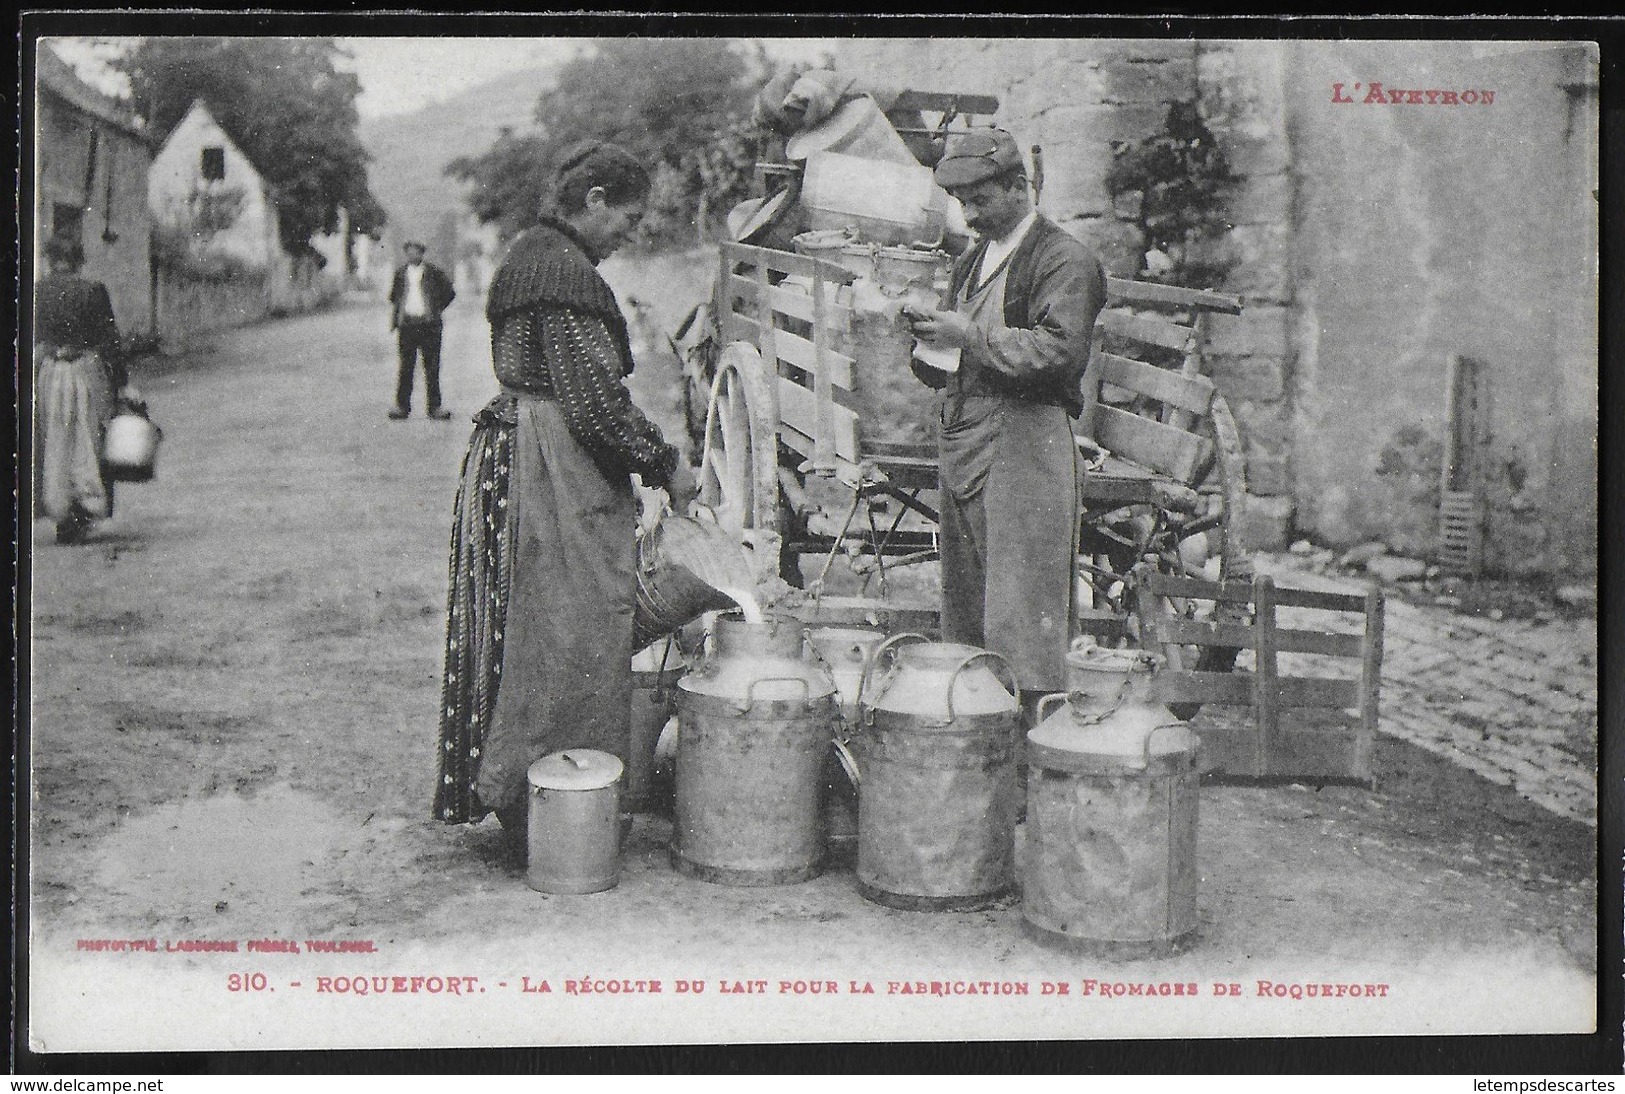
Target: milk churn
point(756, 718)
point(1110, 857)
point(846, 652)
point(575, 822)
point(655, 671)
point(936, 742)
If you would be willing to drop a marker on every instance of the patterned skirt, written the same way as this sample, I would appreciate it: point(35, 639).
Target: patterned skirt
point(476, 610)
point(539, 620)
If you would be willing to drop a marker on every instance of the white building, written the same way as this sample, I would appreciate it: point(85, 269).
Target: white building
point(203, 186)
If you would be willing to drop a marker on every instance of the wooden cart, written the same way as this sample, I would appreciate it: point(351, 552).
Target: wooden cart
point(785, 411)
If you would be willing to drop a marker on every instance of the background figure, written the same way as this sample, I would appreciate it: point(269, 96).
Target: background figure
point(79, 376)
point(543, 577)
point(418, 294)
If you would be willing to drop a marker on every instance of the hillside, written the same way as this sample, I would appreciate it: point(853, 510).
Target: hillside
point(410, 151)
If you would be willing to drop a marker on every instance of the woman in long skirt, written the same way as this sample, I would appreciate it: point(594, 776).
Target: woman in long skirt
point(79, 376)
point(539, 628)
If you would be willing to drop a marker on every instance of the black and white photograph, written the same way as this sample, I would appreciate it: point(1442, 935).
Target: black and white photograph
point(671, 538)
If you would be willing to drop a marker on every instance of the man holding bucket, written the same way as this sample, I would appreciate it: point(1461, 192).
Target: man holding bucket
point(1020, 309)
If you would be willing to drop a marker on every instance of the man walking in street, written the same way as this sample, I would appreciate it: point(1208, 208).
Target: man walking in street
point(418, 294)
point(1020, 309)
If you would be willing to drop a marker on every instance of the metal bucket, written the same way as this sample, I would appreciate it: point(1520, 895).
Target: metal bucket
point(936, 744)
point(130, 447)
point(840, 246)
point(757, 718)
point(1110, 860)
point(655, 671)
point(575, 822)
point(669, 593)
point(902, 268)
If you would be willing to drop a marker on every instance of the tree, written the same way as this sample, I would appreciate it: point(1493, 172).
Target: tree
point(508, 182)
point(681, 105)
point(284, 101)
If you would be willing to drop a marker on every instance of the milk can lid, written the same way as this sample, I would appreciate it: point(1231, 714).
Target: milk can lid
point(1140, 732)
point(575, 769)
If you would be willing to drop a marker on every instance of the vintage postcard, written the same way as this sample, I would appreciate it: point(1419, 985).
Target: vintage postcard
point(1315, 323)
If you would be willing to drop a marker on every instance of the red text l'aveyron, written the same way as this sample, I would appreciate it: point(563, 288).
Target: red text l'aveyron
point(1377, 94)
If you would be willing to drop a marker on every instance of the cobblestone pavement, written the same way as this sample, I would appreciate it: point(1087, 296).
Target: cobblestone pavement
point(1513, 700)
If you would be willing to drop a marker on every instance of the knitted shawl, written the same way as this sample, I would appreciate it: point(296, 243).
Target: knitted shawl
point(551, 265)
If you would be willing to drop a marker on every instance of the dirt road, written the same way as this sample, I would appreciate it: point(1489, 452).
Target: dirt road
point(235, 686)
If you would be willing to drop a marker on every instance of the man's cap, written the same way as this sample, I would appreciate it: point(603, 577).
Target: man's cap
point(411, 243)
point(975, 156)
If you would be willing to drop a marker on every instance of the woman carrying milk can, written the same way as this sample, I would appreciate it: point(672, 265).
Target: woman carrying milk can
point(539, 629)
point(80, 380)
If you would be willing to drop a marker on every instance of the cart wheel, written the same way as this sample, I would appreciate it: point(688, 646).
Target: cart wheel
point(1224, 490)
point(739, 468)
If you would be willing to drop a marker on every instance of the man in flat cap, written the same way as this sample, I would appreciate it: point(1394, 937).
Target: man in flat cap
point(418, 294)
point(1020, 309)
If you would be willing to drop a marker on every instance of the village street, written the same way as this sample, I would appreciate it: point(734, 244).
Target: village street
point(235, 686)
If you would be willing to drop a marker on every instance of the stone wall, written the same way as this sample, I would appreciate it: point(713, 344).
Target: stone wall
point(1427, 231)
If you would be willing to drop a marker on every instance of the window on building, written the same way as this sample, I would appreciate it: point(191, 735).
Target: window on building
point(67, 220)
point(213, 164)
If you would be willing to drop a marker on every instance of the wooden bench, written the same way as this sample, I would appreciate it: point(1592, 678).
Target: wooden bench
point(1267, 749)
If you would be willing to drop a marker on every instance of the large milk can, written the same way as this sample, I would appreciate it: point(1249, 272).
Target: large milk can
point(575, 822)
point(936, 743)
point(757, 718)
point(655, 671)
point(1110, 858)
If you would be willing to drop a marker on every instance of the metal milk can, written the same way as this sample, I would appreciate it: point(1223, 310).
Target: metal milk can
point(936, 743)
point(846, 652)
point(130, 446)
point(757, 718)
point(575, 822)
point(655, 671)
point(1110, 858)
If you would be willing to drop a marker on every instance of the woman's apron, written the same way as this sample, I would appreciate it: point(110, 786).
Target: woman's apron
point(539, 642)
point(1009, 478)
point(73, 401)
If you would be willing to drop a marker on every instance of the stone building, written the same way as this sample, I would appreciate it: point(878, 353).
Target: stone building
point(1370, 243)
point(92, 158)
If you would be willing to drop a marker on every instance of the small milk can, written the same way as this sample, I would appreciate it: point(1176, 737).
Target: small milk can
point(757, 718)
point(130, 446)
point(1110, 857)
point(575, 822)
point(936, 742)
point(655, 670)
